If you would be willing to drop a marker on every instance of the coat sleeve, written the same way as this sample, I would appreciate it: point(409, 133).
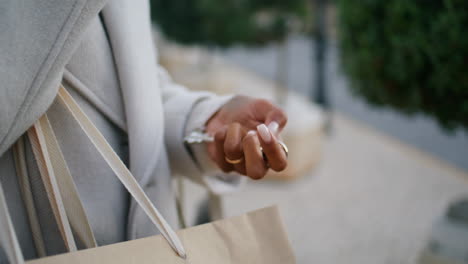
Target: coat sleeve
point(185, 111)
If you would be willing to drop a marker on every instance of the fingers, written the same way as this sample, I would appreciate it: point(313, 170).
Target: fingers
point(219, 139)
point(277, 159)
point(233, 149)
point(255, 166)
point(232, 143)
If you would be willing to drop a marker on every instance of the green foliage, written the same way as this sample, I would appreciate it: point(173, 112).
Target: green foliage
point(411, 55)
point(223, 23)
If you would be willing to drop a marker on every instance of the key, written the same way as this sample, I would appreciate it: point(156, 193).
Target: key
point(198, 137)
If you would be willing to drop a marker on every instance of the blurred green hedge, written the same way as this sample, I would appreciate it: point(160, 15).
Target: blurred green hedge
point(227, 22)
point(408, 54)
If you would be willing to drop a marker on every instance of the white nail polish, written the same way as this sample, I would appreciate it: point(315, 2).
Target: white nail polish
point(252, 132)
point(264, 133)
point(273, 126)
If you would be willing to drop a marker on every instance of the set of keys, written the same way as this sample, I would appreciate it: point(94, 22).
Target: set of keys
point(197, 137)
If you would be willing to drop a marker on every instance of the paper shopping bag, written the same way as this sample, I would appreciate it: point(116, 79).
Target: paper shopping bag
point(257, 237)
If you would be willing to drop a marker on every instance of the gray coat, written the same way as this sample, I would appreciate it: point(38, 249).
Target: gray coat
point(105, 56)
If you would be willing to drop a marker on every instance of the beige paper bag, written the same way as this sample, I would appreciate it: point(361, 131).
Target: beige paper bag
point(257, 237)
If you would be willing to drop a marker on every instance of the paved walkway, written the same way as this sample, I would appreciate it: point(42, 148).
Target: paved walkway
point(372, 200)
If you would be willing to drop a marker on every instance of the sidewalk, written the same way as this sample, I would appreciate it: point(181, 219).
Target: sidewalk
point(372, 199)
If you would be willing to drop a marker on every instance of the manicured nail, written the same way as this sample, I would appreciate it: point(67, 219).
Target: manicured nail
point(273, 126)
point(264, 133)
point(252, 133)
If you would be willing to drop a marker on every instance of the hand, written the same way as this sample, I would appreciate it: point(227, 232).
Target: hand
point(239, 131)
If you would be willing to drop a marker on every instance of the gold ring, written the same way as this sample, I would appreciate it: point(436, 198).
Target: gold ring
point(230, 161)
point(285, 148)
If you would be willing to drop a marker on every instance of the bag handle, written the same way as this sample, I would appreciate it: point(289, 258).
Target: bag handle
point(121, 171)
point(7, 234)
point(42, 136)
point(28, 199)
point(47, 172)
point(8, 238)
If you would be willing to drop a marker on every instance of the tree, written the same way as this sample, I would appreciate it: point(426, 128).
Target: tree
point(224, 23)
point(409, 55)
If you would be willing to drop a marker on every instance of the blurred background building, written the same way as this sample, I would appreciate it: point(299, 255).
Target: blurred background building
point(377, 94)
